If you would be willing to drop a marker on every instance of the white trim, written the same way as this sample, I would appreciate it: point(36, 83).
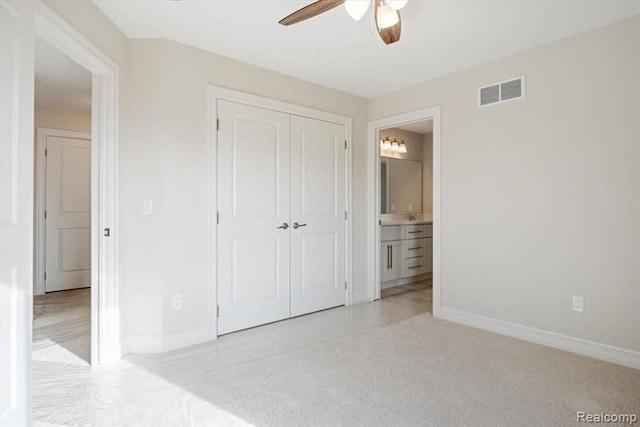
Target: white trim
point(373, 197)
point(146, 344)
point(500, 101)
point(215, 93)
point(105, 303)
point(593, 349)
point(40, 200)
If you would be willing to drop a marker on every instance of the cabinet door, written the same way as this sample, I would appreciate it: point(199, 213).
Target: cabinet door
point(428, 255)
point(396, 270)
point(385, 261)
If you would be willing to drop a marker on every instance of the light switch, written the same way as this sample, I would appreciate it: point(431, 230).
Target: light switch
point(147, 207)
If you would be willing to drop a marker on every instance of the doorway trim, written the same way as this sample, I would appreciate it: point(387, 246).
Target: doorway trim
point(373, 191)
point(215, 93)
point(105, 303)
point(39, 284)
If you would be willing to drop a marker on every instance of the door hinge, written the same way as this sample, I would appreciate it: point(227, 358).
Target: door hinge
point(345, 286)
point(345, 215)
point(217, 124)
point(217, 311)
point(46, 152)
point(45, 214)
point(345, 144)
point(45, 275)
point(217, 217)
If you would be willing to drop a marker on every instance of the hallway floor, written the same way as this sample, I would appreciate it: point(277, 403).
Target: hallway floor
point(62, 327)
point(386, 363)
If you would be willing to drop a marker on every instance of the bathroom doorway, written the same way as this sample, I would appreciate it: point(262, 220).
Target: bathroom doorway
point(404, 212)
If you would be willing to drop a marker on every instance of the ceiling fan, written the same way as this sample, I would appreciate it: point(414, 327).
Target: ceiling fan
point(386, 14)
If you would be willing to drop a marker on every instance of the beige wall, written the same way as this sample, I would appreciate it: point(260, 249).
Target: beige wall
point(541, 197)
point(164, 156)
point(61, 118)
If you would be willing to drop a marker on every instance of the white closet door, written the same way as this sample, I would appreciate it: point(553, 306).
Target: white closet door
point(16, 210)
point(68, 223)
point(318, 205)
point(253, 202)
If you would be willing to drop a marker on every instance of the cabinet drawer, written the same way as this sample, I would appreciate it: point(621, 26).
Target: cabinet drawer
point(415, 248)
point(391, 232)
point(414, 231)
point(414, 266)
point(418, 231)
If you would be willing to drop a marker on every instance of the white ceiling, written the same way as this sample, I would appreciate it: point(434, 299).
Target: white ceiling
point(423, 127)
point(60, 82)
point(438, 37)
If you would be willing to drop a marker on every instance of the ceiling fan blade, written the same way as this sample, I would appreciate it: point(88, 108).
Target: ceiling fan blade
point(390, 34)
point(311, 10)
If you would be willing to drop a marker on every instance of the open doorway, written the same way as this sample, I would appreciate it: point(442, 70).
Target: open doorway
point(418, 218)
point(406, 212)
point(62, 208)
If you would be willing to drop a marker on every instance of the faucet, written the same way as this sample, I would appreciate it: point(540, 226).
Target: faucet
point(413, 217)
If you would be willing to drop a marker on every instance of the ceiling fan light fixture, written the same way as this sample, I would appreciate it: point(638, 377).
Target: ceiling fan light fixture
point(387, 17)
point(396, 4)
point(357, 8)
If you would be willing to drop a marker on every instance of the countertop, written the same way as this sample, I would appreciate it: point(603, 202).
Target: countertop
point(426, 219)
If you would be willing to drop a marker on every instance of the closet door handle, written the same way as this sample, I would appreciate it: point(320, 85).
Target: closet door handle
point(391, 257)
point(296, 225)
point(284, 226)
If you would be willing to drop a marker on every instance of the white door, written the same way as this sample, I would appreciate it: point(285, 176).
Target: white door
point(253, 205)
point(16, 210)
point(68, 214)
point(317, 215)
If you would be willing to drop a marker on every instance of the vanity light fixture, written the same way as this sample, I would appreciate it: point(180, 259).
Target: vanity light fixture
point(388, 144)
point(402, 148)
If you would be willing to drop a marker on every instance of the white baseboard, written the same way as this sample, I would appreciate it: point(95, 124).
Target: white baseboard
point(584, 347)
point(360, 297)
point(148, 344)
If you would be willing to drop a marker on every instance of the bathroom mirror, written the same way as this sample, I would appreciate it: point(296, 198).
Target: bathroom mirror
point(400, 186)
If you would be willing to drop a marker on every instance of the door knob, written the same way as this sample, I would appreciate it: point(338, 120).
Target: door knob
point(284, 226)
point(296, 225)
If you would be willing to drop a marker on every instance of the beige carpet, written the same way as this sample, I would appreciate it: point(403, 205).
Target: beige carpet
point(389, 363)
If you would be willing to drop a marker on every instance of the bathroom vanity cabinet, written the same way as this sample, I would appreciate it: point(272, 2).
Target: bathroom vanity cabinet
point(406, 251)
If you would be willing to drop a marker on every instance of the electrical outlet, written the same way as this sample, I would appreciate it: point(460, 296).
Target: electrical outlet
point(177, 302)
point(578, 304)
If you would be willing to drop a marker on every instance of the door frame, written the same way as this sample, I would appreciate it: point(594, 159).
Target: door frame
point(215, 93)
point(373, 192)
point(105, 302)
point(40, 236)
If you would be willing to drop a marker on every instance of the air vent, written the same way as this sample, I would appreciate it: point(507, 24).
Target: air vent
point(497, 93)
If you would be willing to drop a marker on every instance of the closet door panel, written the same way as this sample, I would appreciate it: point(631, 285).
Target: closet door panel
point(253, 201)
point(318, 207)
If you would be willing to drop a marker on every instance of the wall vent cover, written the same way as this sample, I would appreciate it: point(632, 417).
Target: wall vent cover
point(497, 93)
